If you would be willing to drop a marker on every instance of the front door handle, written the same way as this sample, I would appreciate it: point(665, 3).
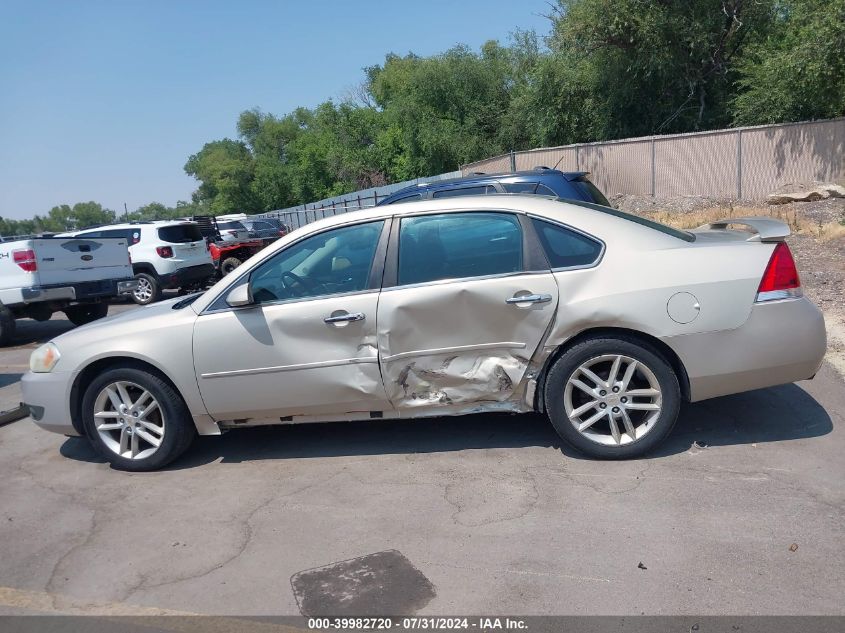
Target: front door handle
point(344, 318)
point(529, 299)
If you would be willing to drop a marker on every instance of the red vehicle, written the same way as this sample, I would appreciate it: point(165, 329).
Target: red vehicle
point(225, 254)
point(229, 255)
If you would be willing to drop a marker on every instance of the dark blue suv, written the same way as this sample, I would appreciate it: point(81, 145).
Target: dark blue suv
point(573, 185)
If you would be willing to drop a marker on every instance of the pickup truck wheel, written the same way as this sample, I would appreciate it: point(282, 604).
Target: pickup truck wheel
point(82, 314)
point(136, 419)
point(148, 290)
point(229, 264)
point(7, 326)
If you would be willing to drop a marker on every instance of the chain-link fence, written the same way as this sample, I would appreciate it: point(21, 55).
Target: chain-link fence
point(298, 216)
point(740, 163)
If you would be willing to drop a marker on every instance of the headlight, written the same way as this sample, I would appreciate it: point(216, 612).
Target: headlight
point(44, 358)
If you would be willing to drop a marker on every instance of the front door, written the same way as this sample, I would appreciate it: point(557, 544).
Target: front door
point(465, 312)
point(307, 344)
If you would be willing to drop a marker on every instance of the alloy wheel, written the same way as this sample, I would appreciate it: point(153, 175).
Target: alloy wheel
point(144, 291)
point(129, 420)
point(613, 399)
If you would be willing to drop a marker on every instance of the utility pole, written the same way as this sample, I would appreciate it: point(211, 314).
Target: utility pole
point(125, 213)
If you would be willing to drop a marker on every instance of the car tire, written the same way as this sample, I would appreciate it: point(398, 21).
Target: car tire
point(148, 290)
point(171, 415)
point(7, 326)
point(86, 313)
point(228, 265)
point(604, 429)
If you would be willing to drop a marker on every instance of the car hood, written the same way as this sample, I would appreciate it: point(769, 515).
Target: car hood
point(137, 317)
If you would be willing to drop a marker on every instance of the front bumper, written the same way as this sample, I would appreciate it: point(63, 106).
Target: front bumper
point(781, 342)
point(48, 399)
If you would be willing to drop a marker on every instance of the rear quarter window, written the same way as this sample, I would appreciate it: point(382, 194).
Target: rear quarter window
point(180, 233)
point(565, 248)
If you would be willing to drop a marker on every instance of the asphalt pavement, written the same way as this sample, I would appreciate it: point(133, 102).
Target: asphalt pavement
point(740, 512)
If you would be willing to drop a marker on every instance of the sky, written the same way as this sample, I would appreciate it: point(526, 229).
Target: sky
point(106, 100)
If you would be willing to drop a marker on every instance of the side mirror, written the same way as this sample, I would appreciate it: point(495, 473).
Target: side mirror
point(239, 296)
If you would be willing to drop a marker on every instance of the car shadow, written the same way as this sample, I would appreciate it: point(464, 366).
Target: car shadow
point(7, 379)
point(28, 331)
point(766, 415)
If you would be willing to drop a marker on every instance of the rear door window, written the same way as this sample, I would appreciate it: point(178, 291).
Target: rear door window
point(478, 190)
point(180, 233)
point(133, 236)
point(458, 245)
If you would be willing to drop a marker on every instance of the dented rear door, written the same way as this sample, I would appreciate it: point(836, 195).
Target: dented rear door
point(462, 311)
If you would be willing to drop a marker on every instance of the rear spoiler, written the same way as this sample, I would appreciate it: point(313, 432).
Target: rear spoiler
point(765, 229)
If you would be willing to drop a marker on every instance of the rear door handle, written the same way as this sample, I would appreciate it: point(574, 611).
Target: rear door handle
point(343, 318)
point(529, 299)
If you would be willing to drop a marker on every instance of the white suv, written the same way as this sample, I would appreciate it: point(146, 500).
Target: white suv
point(165, 254)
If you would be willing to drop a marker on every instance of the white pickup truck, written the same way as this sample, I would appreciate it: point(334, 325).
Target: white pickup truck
point(40, 276)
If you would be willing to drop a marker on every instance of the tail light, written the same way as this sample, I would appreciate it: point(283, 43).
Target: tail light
point(780, 281)
point(164, 251)
point(25, 258)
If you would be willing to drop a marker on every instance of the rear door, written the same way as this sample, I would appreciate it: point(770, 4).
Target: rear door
point(467, 299)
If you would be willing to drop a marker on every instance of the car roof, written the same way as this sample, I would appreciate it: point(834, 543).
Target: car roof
point(582, 215)
point(133, 225)
point(534, 175)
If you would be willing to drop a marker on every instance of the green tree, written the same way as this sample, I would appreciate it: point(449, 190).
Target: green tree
point(648, 66)
point(225, 170)
point(798, 71)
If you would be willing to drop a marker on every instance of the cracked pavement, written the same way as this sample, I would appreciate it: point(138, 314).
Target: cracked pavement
point(489, 508)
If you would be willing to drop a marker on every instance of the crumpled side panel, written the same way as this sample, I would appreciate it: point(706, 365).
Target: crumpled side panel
point(460, 343)
point(452, 379)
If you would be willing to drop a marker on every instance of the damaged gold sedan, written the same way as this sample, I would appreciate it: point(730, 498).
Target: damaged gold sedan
point(604, 321)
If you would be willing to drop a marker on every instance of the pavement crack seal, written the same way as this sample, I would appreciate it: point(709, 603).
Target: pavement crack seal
point(487, 571)
point(600, 482)
point(247, 535)
point(52, 581)
point(483, 499)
